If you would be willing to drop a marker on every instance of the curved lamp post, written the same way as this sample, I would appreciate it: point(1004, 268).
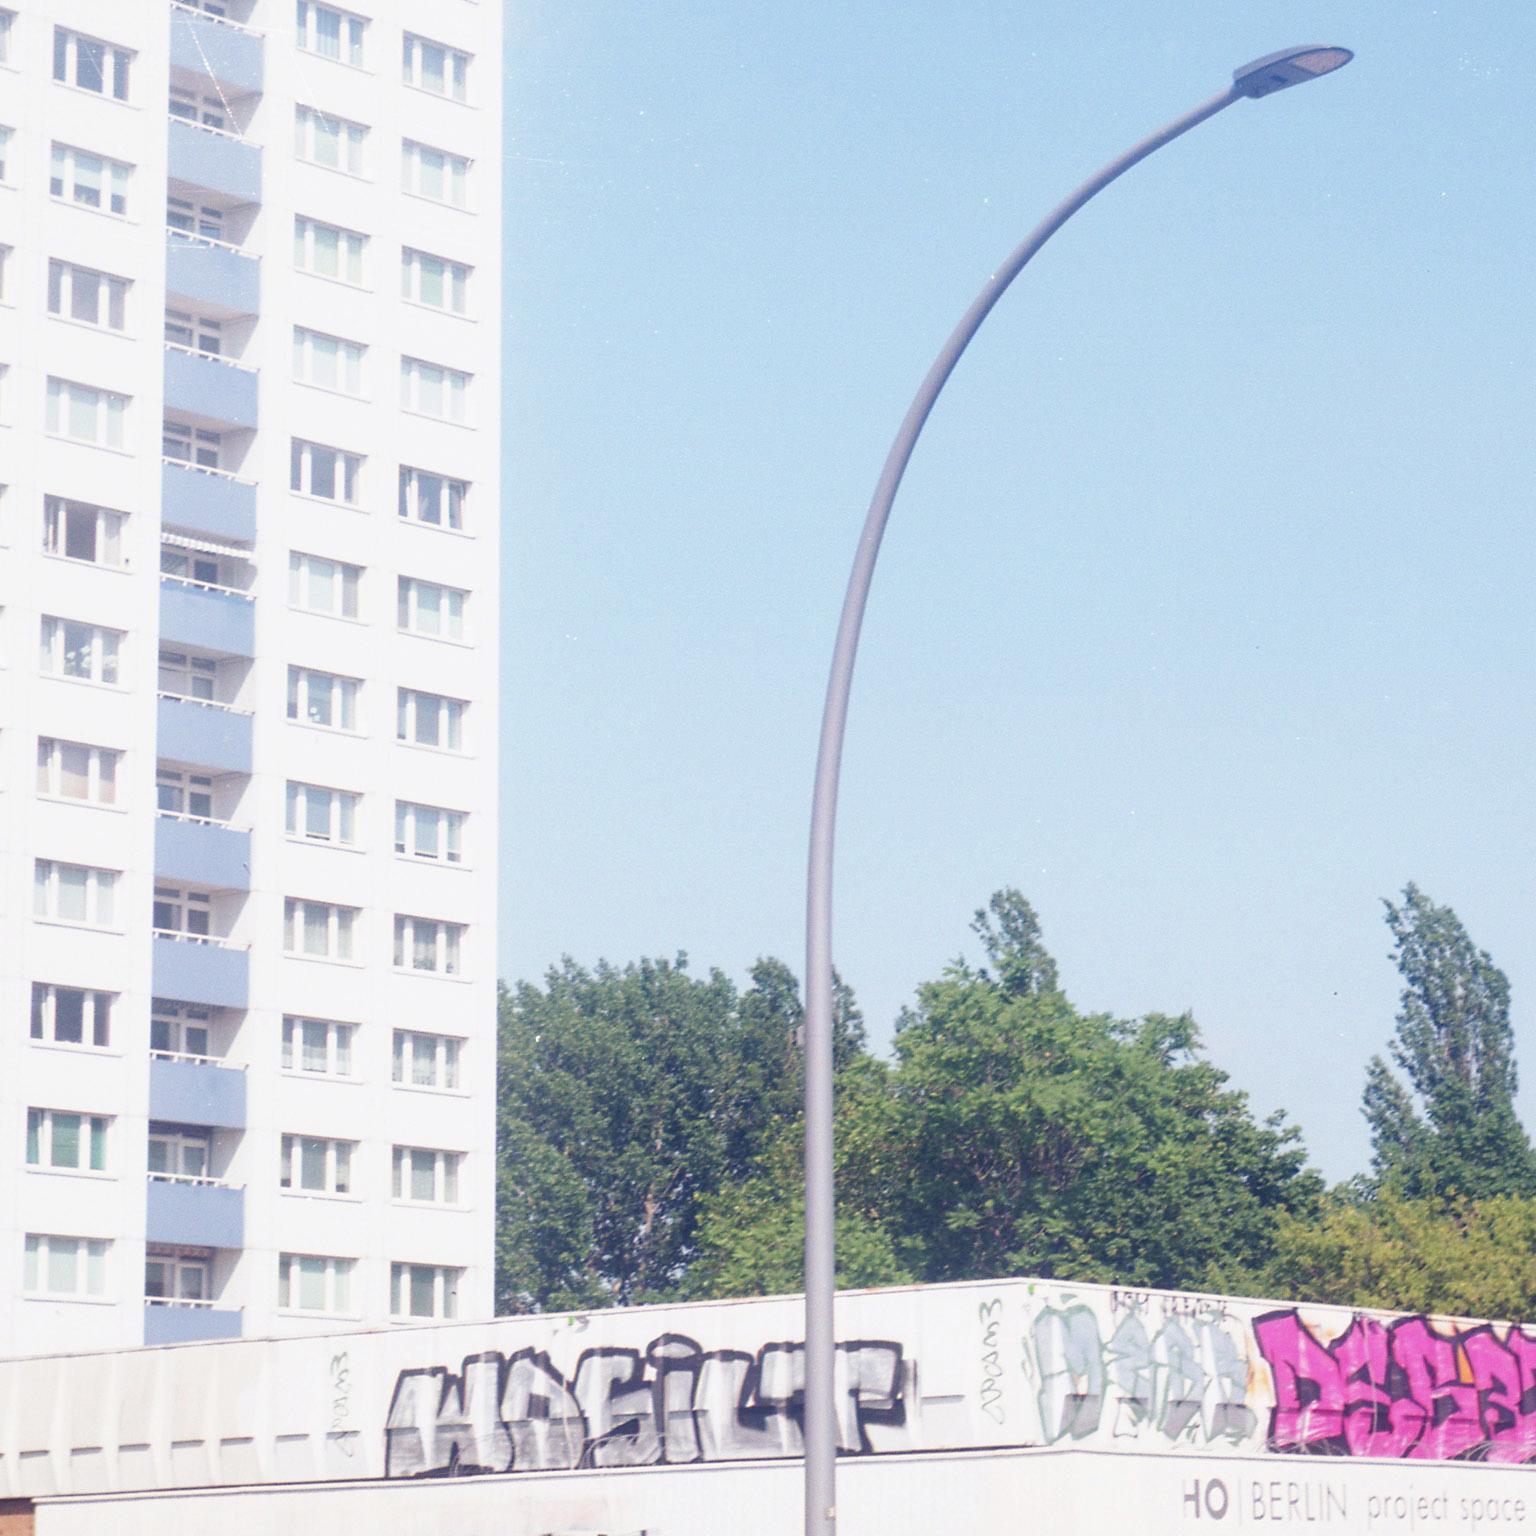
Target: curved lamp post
point(1263, 77)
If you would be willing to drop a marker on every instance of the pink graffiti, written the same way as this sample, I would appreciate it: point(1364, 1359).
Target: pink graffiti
point(1401, 1389)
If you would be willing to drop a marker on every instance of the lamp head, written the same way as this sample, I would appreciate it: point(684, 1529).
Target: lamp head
point(1291, 66)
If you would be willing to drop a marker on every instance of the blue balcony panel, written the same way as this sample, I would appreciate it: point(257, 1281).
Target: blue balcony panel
point(199, 1215)
point(189, 1325)
point(214, 162)
point(206, 503)
point(199, 853)
point(196, 1093)
point(201, 973)
point(214, 280)
point(204, 387)
point(214, 48)
point(204, 735)
point(214, 621)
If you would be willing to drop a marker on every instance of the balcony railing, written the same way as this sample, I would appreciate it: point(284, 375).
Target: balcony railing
point(200, 1180)
point(223, 133)
point(212, 357)
point(169, 578)
point(182, 1301)
point(195, 1059)
point(223, 21)
point(198, 821)
point(219, 704)
point(193, 237)
point(211, 940)
point(206, 469)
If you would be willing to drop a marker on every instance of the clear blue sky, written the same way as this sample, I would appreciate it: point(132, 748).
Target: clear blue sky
point(1206, 616)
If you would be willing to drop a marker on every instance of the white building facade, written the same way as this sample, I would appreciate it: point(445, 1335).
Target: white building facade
point(249, 401)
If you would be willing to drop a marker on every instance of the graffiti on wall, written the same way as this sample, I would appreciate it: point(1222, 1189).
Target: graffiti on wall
point(671, 1402)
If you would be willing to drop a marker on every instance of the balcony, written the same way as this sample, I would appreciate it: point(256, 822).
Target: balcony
point(215, 47)
point(202, 1213)
point(196, 852)
point(206, 971)
point(210, 275)
point(214, 161)
point(209, 618)
point(189, 1322)
point(205, 734)
point(207, 501)
point(209, 388)
point(192, 1090)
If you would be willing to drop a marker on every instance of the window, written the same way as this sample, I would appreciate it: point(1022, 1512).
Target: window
point(6, 252)
point(199, 107)
point(309, 1282)
point(182, 912)
point(323, 586)
point(426, 1175)
point(178, 793)
point(323, 699)
point(328, 362)
point(322, 815)
point(435, 67)
point(92, 181)
point(6, 135)
point(71, 1015)
point(178, 1029)
point(329, 473)
point(92, 298)
point(64, 1266)
point(58, 1138)
point(90, 64)
point(85, 414)
point(425, 944)
point(328, 251)
point(85, 651)
point(434, 281)
point(71, 770)
point(430, 720)
point(186, 444)
point(199, 567)
point(317, 1165)
point(7, 18)
point(429, 832)
point(179, 1152)
point(437, 500)
point(177, 1274)
point(318, 929)
point(433, 390)
point(196, 333)
point(423, 1290)
point(184, 218)
point(329, 141)
point(424, 608)
point(188, 677)
point(79, 531)
point(73, 893)
point(317, 1045)
point(332, 34)
point(426, 1061)
point(435, 174)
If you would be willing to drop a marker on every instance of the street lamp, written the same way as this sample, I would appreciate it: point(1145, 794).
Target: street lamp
point(1263, 77)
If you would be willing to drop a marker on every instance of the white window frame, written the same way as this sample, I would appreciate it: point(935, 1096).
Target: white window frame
point(446, 714)
point(318, 584)
point(78, 59)
point(184, 1027)
point(84, 296)
point(412, 1048)
point(7, 21)
point(328, 362)
point(87, 180)
point(201, 107)
point(452, 496)
point(44, 1262)
point(317, 464)
point(181, 675)
point(188, 1271)
point(303, 917)
point(64, 531)
point(312, 128)
point(194, 332)
point(102, 414)
point(182, 443)
point(429, 608)
point(296, 1164)
point(435, 391)
point(313, 20)
point(99, 887)
point(310, 805)
point(61, 763)
point(313, 245)
point(433, 1168)
point(87, 653)
point(444, 1281)
point(6, 253)
point(317, 1047)
point(429, 938)
point(421, 271)
point(95, 1016)
point(6, 135)
point(44, 1127)
point(180, 792)
point(188, 1152)
point(431, 833)
point(334, 1275)
point(418, 57)
point(326, 701)
point(186, 218)
point(437, 175)
point(183, 911)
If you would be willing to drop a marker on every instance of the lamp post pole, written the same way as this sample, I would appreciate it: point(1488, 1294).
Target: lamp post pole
point(1263, 77)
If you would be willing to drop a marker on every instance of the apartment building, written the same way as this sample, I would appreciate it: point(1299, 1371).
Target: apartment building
point(249, 364)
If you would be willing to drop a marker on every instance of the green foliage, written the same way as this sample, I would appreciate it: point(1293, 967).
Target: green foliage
point(1450, 1131)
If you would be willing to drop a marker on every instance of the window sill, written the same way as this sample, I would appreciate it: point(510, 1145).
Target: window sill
point(416, 522)
point(79, 1301)
point(418, 862)
point(422, 90)
point(98, 330)
point(81, 442)
point(335, 170)
point(94, 565)
point(442, 421)
point(330, 730)
point(80, 90)
point(90, 805)
point(349, 965)
point(447, 1093)
point(316, 842)
point(336, 394)
point(64, 922)
point(320, 613)
point(438, 309)
point(428, 1205)
point(328, 1078)
point(416, 634)
point(79, 1047)
point(422, 746)
point(83, 682)
point(404, 970)
point(347, 1317)
point(99, 1175)
point(438, 202)
point(327, 501)
point(340, 282)
point(100, 213)
point(331, 1196)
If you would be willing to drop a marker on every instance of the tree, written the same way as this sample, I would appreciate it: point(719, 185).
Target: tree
point(1450, 1131)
